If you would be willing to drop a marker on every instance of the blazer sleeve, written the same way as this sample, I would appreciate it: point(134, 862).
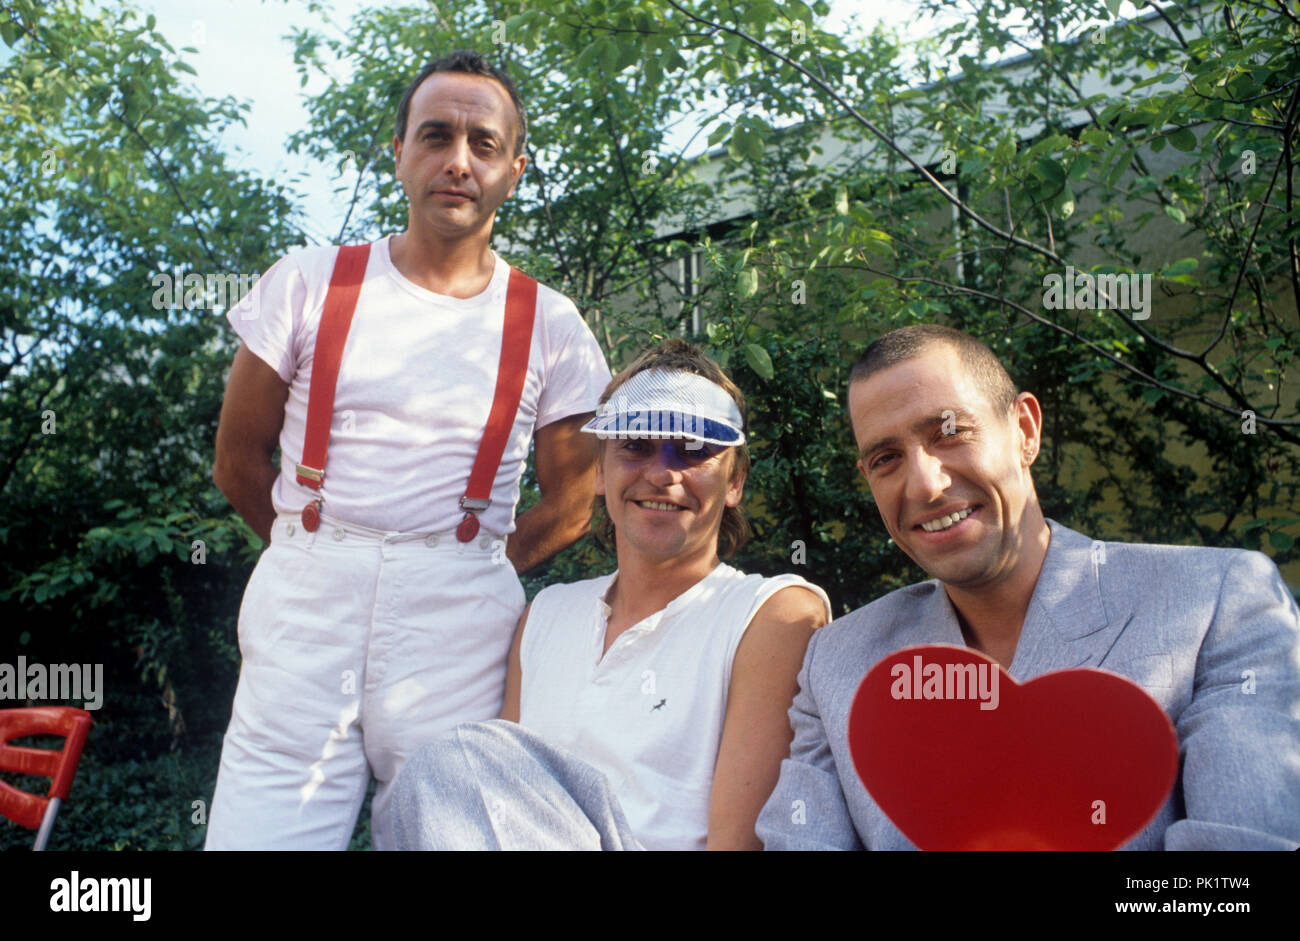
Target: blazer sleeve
point(1240, 734)
point(807, 810)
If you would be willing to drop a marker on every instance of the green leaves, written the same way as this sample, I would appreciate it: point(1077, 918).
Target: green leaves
point(1183, 139)
point(1253, 530)
point(746, 142)
point(759, 360)
point(1064, 204)
point(1049, 170)
point(747, 282)
point(588, 57)
point(114, 173)
point(875, 241)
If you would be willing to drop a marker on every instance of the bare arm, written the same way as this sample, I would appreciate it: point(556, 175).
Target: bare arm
point(756, 734)
point(251, 417)
point(565, 460)
point(515, 672)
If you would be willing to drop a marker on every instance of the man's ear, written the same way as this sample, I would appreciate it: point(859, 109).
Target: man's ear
point(736, 489)
point(397, 153)
point(600, 473)
point(518, 164)
point(1028, 414)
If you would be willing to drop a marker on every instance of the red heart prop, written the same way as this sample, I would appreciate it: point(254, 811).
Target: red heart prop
point(965, 758)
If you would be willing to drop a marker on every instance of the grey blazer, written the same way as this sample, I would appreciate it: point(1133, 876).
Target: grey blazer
point(1186, 624)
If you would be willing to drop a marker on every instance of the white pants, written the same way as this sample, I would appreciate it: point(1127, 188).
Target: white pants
point(358, 647)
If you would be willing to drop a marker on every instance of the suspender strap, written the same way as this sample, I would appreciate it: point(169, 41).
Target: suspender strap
point(331, 337)
point(516, 341)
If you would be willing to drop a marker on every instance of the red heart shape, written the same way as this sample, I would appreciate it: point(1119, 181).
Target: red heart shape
point(954, 773)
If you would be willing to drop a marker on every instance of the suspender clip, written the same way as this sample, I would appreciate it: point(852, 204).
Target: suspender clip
point(468, 527)
point(308, 475)
point(311, 516)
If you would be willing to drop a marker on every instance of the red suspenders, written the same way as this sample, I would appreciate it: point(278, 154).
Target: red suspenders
point(331, 336)
point(521, 303)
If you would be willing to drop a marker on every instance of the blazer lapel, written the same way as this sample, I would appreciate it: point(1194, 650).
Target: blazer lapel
point(939, 619)
point(1066, 624)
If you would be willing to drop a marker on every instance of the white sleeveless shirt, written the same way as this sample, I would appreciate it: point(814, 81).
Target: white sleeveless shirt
point(649, 713)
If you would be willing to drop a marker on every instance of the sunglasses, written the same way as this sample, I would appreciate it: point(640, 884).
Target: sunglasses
point(684, 451)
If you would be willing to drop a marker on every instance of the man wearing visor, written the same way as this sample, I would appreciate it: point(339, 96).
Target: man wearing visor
point(645, 708)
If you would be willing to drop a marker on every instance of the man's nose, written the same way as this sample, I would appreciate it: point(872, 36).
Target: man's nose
point(927, 480)
point(458, 157)
point(666, 466)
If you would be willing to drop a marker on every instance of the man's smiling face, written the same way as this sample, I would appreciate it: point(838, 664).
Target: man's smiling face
point(457, 163)
point(666, 497)
point(954, 502)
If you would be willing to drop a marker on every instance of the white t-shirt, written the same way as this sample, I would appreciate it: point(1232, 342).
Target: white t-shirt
point(414, 388)
point(649, 713)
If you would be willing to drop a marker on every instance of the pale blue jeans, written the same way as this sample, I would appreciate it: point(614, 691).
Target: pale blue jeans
point(497, 786)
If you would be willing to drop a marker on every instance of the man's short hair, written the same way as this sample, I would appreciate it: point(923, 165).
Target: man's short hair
point(470, 63)
point(908, 342)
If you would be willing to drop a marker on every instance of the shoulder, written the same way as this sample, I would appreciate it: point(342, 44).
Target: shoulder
point(790, 598)
point(866, 634)
point(1154, 570)
point(561, 326)
point(300, 274)
point(785, 612)
point(779, 610)
point(1192, 598)
point(552, 306)
point(727, 581)
point(560, 608)
point(841, 653)
point(881, 619)
point(1201, 558)
point(319, 256)
point(795, 603)
point(555, 304)
point(314, 263)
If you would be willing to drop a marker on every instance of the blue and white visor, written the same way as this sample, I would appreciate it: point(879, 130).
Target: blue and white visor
point(662, 403)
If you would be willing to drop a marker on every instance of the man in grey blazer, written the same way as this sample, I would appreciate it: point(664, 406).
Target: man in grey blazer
point(946, 445)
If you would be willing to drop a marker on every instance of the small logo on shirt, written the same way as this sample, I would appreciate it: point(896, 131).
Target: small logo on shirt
point(659, 705)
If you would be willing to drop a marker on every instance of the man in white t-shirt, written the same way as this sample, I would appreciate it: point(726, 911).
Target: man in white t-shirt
point(382, 626)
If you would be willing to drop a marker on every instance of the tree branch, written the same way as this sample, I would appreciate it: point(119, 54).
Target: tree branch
point(1278, 425)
